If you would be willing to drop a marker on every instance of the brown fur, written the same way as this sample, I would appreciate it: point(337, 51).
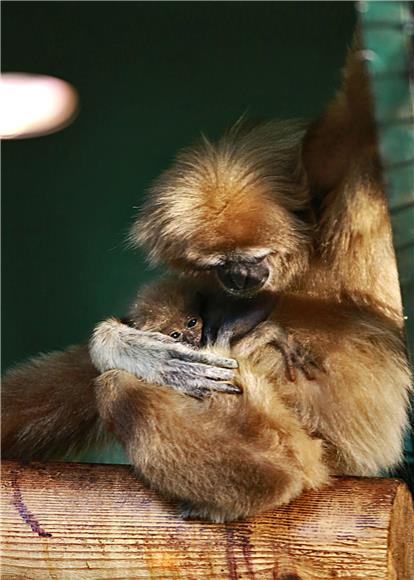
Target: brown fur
point(354, 255)
point(358, 404)
point(178, 302)
point(48, 403)
point(345, 314)
point(48, 406)
point(238, 196)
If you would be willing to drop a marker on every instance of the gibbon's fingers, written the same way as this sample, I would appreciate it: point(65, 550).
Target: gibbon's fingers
point(189, 377)
point(203, 370)
point(208, 358)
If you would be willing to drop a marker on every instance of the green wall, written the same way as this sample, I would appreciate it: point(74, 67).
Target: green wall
point(151, 76)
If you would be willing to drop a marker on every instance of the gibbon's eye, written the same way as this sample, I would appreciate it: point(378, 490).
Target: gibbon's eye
point(191, 323)
point(175, 335)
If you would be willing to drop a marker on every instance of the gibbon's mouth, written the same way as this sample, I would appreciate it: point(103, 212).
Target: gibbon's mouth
point(228, 318)
point(243, 279)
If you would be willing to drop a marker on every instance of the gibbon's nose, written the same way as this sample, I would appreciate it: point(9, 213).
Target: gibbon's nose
point(241, 278)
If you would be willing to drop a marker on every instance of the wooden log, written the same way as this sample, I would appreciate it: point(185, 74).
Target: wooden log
point(77, 521)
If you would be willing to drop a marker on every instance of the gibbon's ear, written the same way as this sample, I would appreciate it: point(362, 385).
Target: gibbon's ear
point(244, 192)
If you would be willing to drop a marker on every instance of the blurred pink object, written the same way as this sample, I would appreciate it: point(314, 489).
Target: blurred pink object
point(33, 105)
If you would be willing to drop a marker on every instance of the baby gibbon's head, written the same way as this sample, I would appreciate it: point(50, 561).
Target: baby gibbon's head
point(171, 307)
point(234, 208)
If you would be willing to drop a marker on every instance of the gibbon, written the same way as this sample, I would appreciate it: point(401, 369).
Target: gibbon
point(292, 221)
point(302, 217)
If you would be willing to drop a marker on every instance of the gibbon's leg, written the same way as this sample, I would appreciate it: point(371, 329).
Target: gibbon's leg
point(49, 407)
point(251, 454)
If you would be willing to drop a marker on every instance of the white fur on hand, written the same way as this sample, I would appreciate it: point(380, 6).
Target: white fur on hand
point(157, 358)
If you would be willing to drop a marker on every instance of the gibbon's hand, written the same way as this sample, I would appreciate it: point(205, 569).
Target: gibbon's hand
point(295, 355)
point(157, 358)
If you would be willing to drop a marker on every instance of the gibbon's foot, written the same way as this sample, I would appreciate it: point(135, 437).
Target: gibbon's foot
point(297, 357)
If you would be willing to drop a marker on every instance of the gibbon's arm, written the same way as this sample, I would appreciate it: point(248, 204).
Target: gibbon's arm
point(49, 407)
point(251, 453)
point(353, 239)
point(157, 358)
point(48, 403)
point(345, 133)
point(357, 401)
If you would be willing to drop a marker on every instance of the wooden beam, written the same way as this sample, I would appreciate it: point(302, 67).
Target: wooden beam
point(79, 521)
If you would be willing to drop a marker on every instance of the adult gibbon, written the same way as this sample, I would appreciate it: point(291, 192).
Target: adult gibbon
point(313, 231)
point(296, 216)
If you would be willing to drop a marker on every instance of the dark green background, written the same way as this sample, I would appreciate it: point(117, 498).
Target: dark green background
point(151, 76)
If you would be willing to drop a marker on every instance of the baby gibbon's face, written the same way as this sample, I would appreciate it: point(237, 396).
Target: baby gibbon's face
point(188, 333)
point(185, 329)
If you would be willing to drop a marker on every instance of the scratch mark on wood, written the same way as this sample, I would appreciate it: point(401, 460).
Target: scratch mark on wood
point(22, 510)
point(247, 554)
point(231, 559)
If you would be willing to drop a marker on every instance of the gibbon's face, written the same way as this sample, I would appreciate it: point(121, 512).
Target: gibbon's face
point(243, 273)
point(189, 332)
point(170, 306)
point(245, 269)
point(237, 209)
point(243, 278)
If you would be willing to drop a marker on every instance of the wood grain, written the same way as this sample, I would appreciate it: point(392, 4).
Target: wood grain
point(76, 521)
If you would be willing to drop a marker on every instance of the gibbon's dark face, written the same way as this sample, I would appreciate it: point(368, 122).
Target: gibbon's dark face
point(189, 333)
point(233, 209)
point(243, 276)
point(247, 272)
point(188, 330)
